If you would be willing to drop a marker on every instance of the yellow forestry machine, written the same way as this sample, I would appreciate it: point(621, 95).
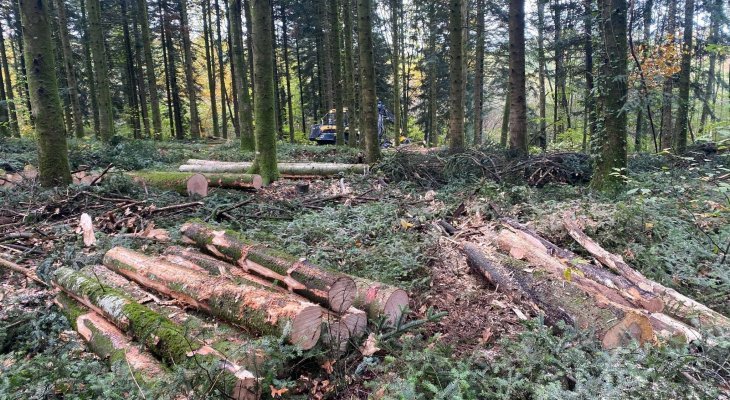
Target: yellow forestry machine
point(326, 131)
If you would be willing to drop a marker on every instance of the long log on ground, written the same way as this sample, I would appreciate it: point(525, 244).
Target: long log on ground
point(109, 343)
point(378, 299)
point(677, 304)
point(226, 339)
point(341, 328)
point(160, 335)
point(599, 295)
point(195, 183)
point(631, 292)
point(258, 310)
point(333, 290)
point(293, 169)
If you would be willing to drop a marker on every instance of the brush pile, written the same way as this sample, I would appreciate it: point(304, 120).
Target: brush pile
point(249, 289)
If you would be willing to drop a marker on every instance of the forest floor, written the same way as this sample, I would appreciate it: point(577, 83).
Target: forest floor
point(672, 223)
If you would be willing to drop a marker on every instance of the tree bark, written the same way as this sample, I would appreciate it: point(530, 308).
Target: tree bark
point(210, 63)
point(708, 93)
point(395, 6)
point(610, 145)
point(73, 92)
point(178, 181)
point(333, 290)
point(336, 65)
point(221, 71)
point(667, 131)
point(287, 74)
point(130, 74)
point(456, 75)
point(479, 75)
point(150, 68)
point(101, 71)
point(43, 89)
point(172, 73)
point(243, 98)
point(350, 74)
point(683, 117)
point(368, 97)
point(190, 85)
point(518, 96)
point(260, 310)
point(139, 71)
point(12, 113)
point(589, 129)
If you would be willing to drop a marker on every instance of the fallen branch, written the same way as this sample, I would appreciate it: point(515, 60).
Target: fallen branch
point(29, 273)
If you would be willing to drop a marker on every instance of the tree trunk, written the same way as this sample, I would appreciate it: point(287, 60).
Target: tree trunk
point(243, 98)
point(333, 290)
point(130, 74)
point(210, 63)
point(368, 97)
point(4, 112)
point(101, 71)
point(709, 92)
point(14, 126)
point(141, 78)
point(683, 115)
point(542, 135)
point(287, 75)
point(379, 299)
point(249, 43)
point(558, 60)
point(190, 84)
point(260, 310)
point(20, 54)
point(172, 72)
point(150, 67)
point(456, 75)
point(479, 75)
point(301, 85)
point(667, 90)
point(86, 40)
point(504, 134)
point(180, 181)
point(432, 80)
point(43, 89)
point(160, 335)
point(350, 74)
point(610, 145)
point(518, 97)
point(262, 25)
point(589, 129)
point(221, 71)
point(165, 57)
point(395, 6)
point(336, 66)
point(73, 92)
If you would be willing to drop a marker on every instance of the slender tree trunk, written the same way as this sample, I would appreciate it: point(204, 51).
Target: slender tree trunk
point(432, 81)
point(278, 103)
point(708, 94)
point(589, 129)
point(239, 67)
point(640, 124)
point(221, 71)
point(367, 81)
point(141, 78)
point(610, 145)
point(558, 60)
point(20, 54)
point(172, 72)
point(249, 44)
point(394, 22)
point(301, 90)
point(150, 67)
point(336, 66)
point(190, 85)
point(683, 116)
point(349, 67)
point(542, 135)
point(668, 86)
point(517, 94)
point(456, 76)
point(165, 57)
point(210, 63)
point(12, 113)
point(234, 74)
point(130, 74)
point(61, 72)
point(504, 133)
point(94, 111)
point(101, 71)
point(73, 91)
point(479, 75)
point(287, 75)
point(43, 89)
point(4, 113)
point(262, 25)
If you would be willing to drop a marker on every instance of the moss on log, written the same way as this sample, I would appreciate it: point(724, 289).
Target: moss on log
point(160, 335)
point(333, 290)
point(256, 309)
point(110, 344)
point(285, 169)
point(179, 181)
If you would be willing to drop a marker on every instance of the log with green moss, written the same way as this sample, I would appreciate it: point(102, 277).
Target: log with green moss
point(109, 343)
point(259, 310)
point(191, 183)
point(285, 169)
point(333, 290)
point(230, 341)
point(160, 335)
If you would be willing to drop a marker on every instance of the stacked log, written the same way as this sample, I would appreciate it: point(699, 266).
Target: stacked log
point(558, 284)
point(195, 183)
point(286, 170)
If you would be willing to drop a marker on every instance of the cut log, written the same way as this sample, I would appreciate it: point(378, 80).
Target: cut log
point(601, 296)
point(259, 310)
point(293, 169)
point(630, 291)
point(333, 290)
point(677, 304)
point(109, 343)
point(228, 340)
point(378, 299)
point(187, 183)
point(160, 335)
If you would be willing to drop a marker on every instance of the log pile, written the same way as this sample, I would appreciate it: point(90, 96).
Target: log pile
point(286, 170)
point(608, 297)
point(249, 289)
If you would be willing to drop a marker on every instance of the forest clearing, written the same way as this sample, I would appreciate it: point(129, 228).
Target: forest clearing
point(358, 199)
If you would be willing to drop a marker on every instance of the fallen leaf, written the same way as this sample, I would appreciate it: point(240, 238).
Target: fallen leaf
point(369, 347)
point(277, 392)
point(328, 366)
point(405, 224)
point(87, 228)
point(486, 335)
